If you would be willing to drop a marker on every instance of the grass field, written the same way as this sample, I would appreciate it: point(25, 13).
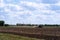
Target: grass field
point(4, 36)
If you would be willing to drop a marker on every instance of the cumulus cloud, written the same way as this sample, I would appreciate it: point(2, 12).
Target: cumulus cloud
point(35, 5)
point(2, 17)
point(2, 3)
point(41, 13)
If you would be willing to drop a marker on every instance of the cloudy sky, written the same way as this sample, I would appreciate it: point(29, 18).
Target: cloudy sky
point(30, 11)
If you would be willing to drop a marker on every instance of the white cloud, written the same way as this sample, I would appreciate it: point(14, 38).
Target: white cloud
point(58, 3)
point(40, 6)
point(42, 14)
point(2, 3)
point(2, 17)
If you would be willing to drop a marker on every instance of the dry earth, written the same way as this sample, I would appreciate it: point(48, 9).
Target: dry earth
point(41, 33)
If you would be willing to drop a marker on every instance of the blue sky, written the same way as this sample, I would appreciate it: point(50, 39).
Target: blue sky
point(30, 11)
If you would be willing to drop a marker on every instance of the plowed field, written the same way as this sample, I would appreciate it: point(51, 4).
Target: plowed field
point(33, 32)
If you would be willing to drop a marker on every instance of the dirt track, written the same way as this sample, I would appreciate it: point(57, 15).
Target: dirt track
point(33, 32)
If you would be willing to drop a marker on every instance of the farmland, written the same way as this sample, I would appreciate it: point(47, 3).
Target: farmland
point(40, 33)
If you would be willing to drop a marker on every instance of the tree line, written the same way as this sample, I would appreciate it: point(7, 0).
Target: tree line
point(2, 23)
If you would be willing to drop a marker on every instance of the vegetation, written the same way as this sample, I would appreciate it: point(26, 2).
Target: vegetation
point(26, 24)
point(4, 36)
point(1, 23)
point(40, 26)
point(6, 24)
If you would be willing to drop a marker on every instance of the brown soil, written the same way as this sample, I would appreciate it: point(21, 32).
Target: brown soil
point(41, 33)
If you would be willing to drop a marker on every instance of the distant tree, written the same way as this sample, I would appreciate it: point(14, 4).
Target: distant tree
point(20, 24)
point(1, 23)
point(28, 24)
point(17, 24)
point(6, 24)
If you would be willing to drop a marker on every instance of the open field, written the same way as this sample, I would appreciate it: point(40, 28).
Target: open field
point(41, 33)
point(4, 36)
